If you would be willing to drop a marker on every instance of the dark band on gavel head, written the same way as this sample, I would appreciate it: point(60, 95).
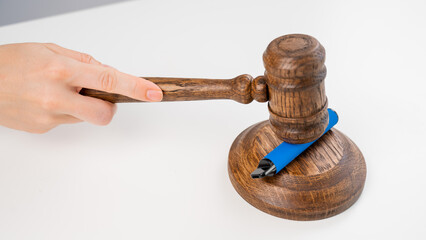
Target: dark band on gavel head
point(293, 84)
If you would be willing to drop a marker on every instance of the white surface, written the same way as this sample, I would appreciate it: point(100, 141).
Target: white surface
point(87, 182)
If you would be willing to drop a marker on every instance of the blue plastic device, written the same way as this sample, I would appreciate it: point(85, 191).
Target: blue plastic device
point(282, 155)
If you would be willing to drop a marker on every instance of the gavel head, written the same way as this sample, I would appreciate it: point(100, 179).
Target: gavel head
point(294, 75)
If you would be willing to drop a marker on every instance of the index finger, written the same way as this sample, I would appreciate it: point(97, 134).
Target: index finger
point(110, 80)
point(81, 57)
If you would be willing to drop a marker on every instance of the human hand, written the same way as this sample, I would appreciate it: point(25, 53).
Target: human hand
point(40, 84)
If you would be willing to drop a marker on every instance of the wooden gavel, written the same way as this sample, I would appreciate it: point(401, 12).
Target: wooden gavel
point(321, 182)
point(293, 84)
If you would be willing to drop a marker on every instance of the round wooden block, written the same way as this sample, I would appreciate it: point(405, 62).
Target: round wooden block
point(323, 181)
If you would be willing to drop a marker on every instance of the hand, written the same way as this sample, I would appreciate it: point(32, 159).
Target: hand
point(40, 84)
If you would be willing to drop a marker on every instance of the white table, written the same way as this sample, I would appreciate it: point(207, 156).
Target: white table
point(159, 171)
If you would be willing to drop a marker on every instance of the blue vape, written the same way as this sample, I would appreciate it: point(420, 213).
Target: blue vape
point(282, 155)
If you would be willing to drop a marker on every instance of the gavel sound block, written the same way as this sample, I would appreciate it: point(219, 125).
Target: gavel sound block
point(323, 181)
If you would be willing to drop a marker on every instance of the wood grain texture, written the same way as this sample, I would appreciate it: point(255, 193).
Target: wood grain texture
point(293, 84)
point(295, 74)
point(323, 181)
point(240, 89)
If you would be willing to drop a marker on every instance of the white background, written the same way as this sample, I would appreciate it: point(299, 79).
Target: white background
point(159, 171)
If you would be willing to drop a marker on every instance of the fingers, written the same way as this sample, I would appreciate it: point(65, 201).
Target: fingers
point(67, 119)
point(108, 79)
point(81, 57)
point(45, 123)
point(89, 109)
point(94, 75)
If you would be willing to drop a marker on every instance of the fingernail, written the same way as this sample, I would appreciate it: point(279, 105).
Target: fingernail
point(154, 95)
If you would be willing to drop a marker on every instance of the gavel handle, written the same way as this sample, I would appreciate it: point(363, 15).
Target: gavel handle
point(242, 89)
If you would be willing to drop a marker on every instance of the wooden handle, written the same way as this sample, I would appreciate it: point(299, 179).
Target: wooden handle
point(242, 89)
